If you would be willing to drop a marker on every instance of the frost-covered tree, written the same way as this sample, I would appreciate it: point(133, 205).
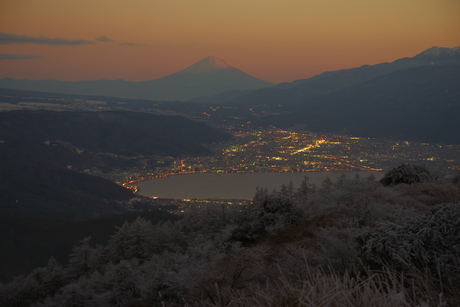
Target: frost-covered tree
point(406, 173)
point(35, 287)
point(305, 190)
point(350, 196)
point(124, 282)
point(284, 190)
point(50, 278)
point(77, 293)
point(21, 292)
point(203, 218)
point(290, 188)
point(278, 208)
point(132, 240)
point(261, 195)
point(81, 261)
point(276, 214)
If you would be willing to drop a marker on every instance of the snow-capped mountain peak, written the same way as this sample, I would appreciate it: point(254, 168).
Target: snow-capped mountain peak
point(208, 64)
point(439, 52)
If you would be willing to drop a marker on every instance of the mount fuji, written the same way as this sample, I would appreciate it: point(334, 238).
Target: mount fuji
point(210, 76)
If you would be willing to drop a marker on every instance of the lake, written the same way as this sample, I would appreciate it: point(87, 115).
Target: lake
point(231, 185)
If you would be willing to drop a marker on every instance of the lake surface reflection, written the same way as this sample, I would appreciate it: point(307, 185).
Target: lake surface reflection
point(231, 185)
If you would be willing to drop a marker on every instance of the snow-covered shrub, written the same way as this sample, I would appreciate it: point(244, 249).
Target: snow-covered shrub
point(407, 173)
point(215, 281)
point(431, 241)
point(320, 289)
point(334, 248)
point(360, 201)
point(429, 193)
point(456, 179)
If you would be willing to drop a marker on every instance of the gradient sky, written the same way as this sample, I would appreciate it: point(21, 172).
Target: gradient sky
point(275, 40)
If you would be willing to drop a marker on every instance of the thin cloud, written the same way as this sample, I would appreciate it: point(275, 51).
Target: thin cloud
point(104, 39)
point(129, 44)
point(10, 38)
point(134, 44)
point(18, 56)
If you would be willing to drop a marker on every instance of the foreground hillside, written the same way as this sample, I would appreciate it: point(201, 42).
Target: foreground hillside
point(353, 242)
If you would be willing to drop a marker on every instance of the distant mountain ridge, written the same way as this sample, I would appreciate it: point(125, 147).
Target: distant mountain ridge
point(438, 52)
point(209, 76)
point(416, 104)
point(331, 81)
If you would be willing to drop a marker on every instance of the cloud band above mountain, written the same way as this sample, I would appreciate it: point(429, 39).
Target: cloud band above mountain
point(11, 38)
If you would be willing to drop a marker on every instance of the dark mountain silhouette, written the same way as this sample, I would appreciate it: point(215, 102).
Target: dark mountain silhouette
point(329, 82)
point(209, 76)
point(29, 190)
point(117, 132)
point(38, 147)
point(421, 103)
point(29, 242)
point(45, 208)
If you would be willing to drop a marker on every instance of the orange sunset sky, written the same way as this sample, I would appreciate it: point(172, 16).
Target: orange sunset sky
point(275, 40)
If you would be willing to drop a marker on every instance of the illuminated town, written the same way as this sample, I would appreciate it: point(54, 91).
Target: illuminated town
point(276, 150)
point(260, 150)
